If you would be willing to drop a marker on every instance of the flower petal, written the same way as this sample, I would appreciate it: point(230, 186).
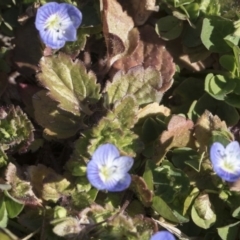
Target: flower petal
point(226, 162)
point(44, 12)
point(105, 154)
point(217, 152)
point(163, 235)
point(121, 184)
point(70, 33)
point(123, 163)
point(52, 39)
point(227, 176)
point(93, 175)
point(74, 14)
point(233, 149)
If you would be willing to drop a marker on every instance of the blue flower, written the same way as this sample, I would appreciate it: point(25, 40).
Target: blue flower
point(163, 235)
point(58, 23)
point(226, 161)
point(107, 170)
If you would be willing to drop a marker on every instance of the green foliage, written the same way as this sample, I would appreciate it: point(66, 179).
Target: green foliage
point(106, 87)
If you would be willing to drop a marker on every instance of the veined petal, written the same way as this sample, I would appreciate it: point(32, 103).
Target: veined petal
point(52, 39)
point(217, 153)
point(233, 150)
point(70, 34)
point(226, 175)
point(93, 175)
point(123, 164)
point(163, 235)
point(121, 185)
point(74, 14)
point(226, 161)
point(105, 154)
point(44, 12)
point(57, 23)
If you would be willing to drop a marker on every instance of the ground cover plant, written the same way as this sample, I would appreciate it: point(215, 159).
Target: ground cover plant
point(119, 119)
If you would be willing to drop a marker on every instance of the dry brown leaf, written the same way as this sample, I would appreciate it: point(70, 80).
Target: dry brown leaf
point(204, 127)
point(116, 26)
point(139, 186)
point(178, 134)
point(150, 51)
point(141, 10)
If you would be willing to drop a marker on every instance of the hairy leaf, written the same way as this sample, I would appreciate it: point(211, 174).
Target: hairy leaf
point(140, 82)
point(69, 83)
point(47, 183)
point(21, 190)
point(16, 130)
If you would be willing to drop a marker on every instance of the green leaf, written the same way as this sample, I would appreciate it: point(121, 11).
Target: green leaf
point(190, 198)
point(202, 212)
point(123, 113)
point(163, 209)
point(187, 156)
point(220, 108)
point(229, 232)
point(236, 52)
point(148, 175)
point(16, 130)
point(228, 62)
point(219, 86)
point(236, 213)
point(3, 213)
point(170, 183)
point(214, 30)
point(169, 27)
point(210, 7)
point(69, 83)
point(140, 82)
point(13, 207)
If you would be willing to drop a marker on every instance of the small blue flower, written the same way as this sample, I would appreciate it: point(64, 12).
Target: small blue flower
point(58, 23)
point(107, 170)
point(226, 161)
point(163, 235)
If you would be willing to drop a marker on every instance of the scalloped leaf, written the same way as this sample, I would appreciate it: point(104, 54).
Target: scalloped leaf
point(148, 50)
point(69, 83)
point(16, 130)
point(21, 190)
point(113, 128)
point(56, 122)
point(47, 183)
point(140, 82)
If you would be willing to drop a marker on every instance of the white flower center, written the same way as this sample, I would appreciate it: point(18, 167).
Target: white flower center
point(229, 163)
point(106, 172)
point(54, 23)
